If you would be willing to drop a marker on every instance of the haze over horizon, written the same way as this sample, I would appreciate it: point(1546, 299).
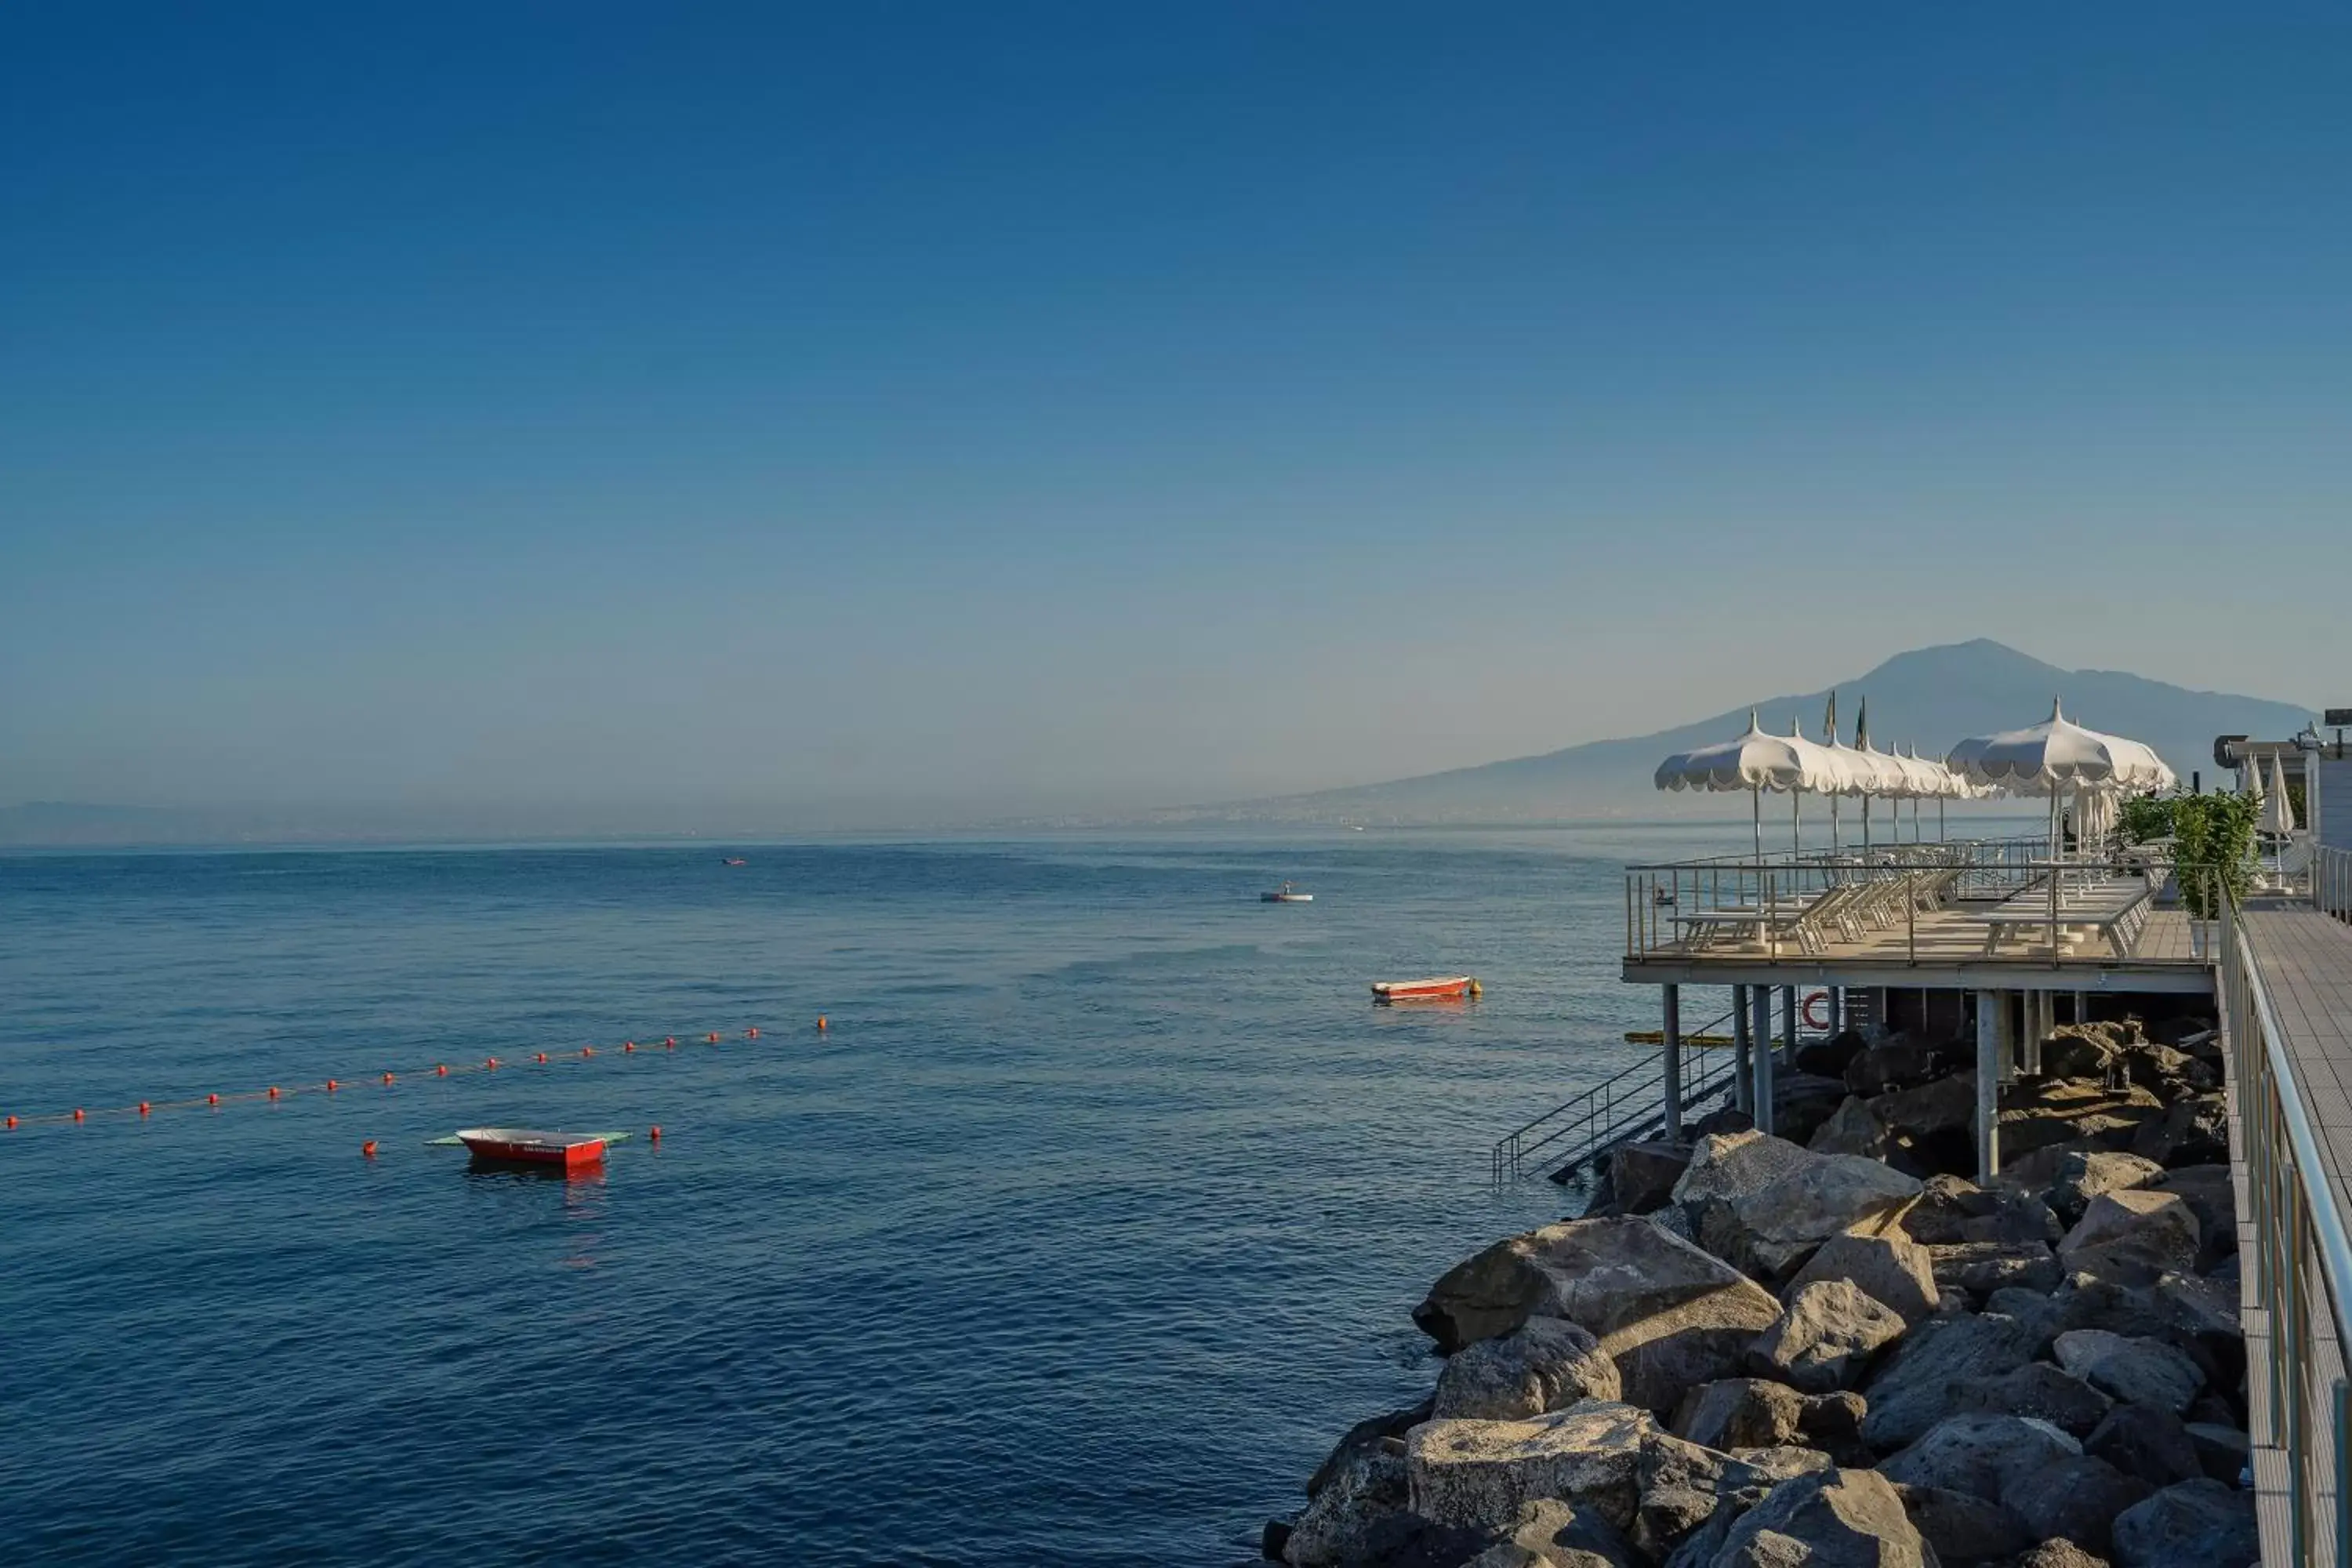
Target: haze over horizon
point(1054, 409)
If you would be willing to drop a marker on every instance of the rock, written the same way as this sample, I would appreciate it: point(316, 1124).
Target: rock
point(1365, 1435)
point(1642, 1177)
point(1939, 1105)
point(1964, 1529)
point(1274, 1541)
point(1828, 1058)
point(1716, 1123)
point(1981, 1268)
point(2133, 1371)
point(2132, 1237)
point(1783, 1463)
point(1979, 1455)
point(1801, 1102)
point(1405, 1539)
point(2075, 1498)
point(2148, 1443)
point(1836, 1519)
point(1825, 1337)
point(2193, 1132)
point(1771, 1228)
point(2036, 1116)
point(1339, 1527)
point(2176, 1072)
point(2014, 1216)
point(1895, 1065)
point(1910, 1391)
point(2060, 1554)
point(1886, 1265)
point(1478, 1474)
point(1945, 1202)
point(2223, 1451)
point(1851, 1129)
point(1737, 1414)
point(2082, 1176)
point(1679, 1485)
point(2206, 1189)
point(2039, 1390)
point(1664, 1311)
point(1727, 1167)
point(1550, 1533)
point(2201, 1523)
point(1546, 1363)
point(2083, 1051)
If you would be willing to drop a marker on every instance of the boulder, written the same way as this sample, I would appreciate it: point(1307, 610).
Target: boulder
point(2083, 1050)
point(1365, 1435)
point(1828, 1058)
point(2036, 1116)
point(2132, 1237)
point(1478, 1474)
point(2013, 1216)
point(1783, 1463)
point(1730, 1165)
point(1546, 1363)
point(1355, 1500)
point(1910, 1390)
point(2193, 1132)
point(2151, 1444)
point(1668, 1313)
point(1678, 1485)
point(1940, 1105)
point(2060, 1554)
point(1981, 1268)
point(1550, 1533)
point(2206, 1191)
point(1801, 1102)
point(2132, 1371)
point(1979, 1455)
point(1964, 1529)
point(1770, 1230)
point(1825, 1337)
point(2223, 1451)
point(2201, 1523)
point(2039, 1390)
point(1738, 1413)
point(1885, 1265)
point(2075, 1498)
point(2083, 1175)
point(1896, 1063)
point(1850, 1129)
point(1945, 1202)
point(1642, 1177)
point(1834, 1519)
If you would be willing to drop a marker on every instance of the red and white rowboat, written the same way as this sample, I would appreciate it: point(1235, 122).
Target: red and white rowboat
point(522, 1146)
point(1449, 988)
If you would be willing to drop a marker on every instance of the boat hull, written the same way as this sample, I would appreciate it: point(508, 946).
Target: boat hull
point(1286, 897)
point(517, 1146)
point(1447, 988)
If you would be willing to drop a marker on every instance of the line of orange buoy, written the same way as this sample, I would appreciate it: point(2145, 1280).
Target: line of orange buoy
point(216, 1099)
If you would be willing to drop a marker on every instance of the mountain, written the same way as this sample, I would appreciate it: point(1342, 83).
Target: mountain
point(1928, 697)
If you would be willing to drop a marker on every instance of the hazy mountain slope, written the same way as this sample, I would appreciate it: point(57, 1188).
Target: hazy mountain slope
point(1928, 697)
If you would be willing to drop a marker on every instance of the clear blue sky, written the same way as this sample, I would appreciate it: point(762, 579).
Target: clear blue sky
point(1029, 405)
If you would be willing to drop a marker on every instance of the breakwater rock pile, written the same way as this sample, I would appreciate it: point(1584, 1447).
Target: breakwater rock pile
point(1754, 1351)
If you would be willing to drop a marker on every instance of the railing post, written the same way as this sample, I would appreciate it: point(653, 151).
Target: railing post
point(1760, 1024)
point(1991, 1006)
point(1743, 1093)
point(1673, 1046)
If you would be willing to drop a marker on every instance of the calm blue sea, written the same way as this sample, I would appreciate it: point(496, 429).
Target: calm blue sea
point(1093, 1218)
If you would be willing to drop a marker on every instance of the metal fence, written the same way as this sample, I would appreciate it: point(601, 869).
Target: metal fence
point(2331, 881)
point(2302, 1262)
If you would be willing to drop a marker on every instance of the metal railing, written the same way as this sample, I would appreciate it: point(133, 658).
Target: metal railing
point(1626, 1106)
point(2331, 881)
point(2302, 1258)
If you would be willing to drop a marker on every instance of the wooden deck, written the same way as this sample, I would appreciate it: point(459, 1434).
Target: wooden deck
point(1944, 948)
point(2304, 959)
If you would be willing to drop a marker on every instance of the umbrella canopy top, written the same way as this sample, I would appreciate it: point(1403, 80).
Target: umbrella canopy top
point(2057, 754)
point(2278, 811)
point(1756, 761)
point(1880, 773)
point(1928, 779)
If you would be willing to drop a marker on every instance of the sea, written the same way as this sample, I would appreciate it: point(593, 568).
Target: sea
point(1090, 1217)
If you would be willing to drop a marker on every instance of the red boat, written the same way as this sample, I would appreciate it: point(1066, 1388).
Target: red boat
point(522, 1146)
point(1449, 988)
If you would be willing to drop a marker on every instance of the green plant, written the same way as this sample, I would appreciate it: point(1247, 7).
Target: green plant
point(2213, 848)
point(2144, 817)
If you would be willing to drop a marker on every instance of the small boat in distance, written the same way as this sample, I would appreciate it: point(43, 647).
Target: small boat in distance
point(1447, 988)
point(1286, 894)
point(734, 860)
point(523, 1146)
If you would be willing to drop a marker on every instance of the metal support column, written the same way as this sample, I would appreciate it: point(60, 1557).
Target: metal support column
point(2042, 1019)
point(1759, 1015)
point(1743, 1090)
point(1993, 1006)
point(1672, 1046)
point(2015, 1008)
point(1789, 1022)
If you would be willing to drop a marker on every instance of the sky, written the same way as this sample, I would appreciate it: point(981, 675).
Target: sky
point(930, 408)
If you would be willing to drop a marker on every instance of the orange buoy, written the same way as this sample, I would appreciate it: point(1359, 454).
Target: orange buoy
point(587, 1050)
point(652, 1137)
point(273, 1091)
point(212, 1100)
point(713, 1037)
point(78, 1113)
point(387, 1078)
point(751, 1033)
point(442, 1071)
point(368, 1149)
point(670, 1041)
point(629, 1046)
point(142, 1108)
point(12, 1124)
point(542, 1055)
point(331, 1085)
point(820, 1021)
point(491, 1063)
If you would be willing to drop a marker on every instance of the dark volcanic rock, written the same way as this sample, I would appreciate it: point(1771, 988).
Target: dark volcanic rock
point(2132, 1237)
point(1981, 1268)
point(1844, 1519)
point(1850, 1130)
point(1828, 1058)
point(2082, 1176)
point(1642, 1177)
point(2039, 1390)
point(1910, 1390)
point(2197, 1525)
point(1979, 1455)
point(2193, 1132)
point(1965, 1530)
point(1546, 1363)
point(1897, 1063)
point(1549, 1533)
point(2222, 1450)
point(1945, 1203)
point(2131, 1371)
point(2075, 1498)
point(1365, 1437)
point(1885, 1265)
point(2206, 1189)
point(2144, 1441)
point(1825, 1337)
point(1801, 1102)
